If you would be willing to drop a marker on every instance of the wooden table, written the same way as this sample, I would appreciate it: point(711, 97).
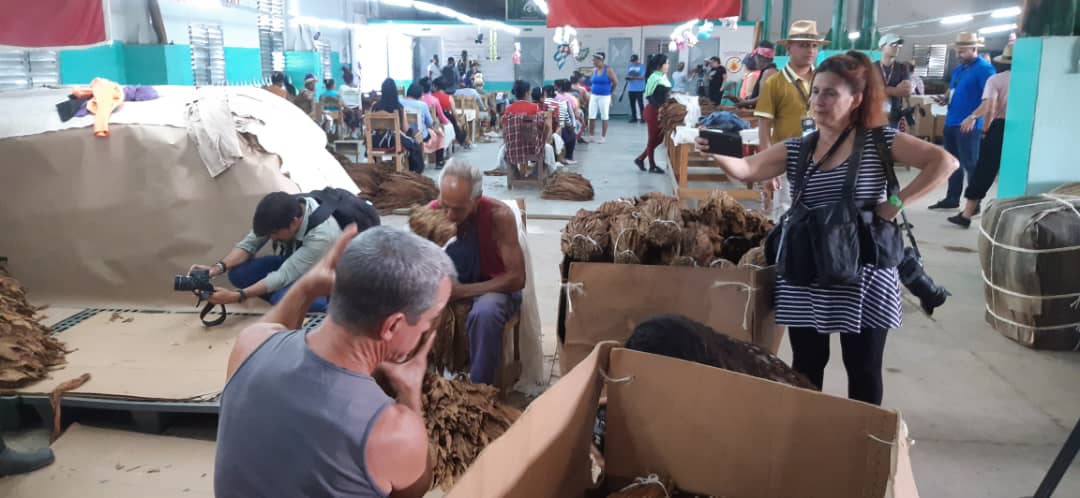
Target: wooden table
point(682, 157)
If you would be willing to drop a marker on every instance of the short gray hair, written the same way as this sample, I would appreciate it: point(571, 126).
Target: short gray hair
point(384, 271)
point(466, 171)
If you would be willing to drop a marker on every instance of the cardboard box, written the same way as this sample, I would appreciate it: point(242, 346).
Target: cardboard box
point(939, 128)
point(714, 432)
point(924, 121)
point(605, 301)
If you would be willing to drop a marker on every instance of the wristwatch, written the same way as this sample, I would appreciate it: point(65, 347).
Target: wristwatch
point(243, 295)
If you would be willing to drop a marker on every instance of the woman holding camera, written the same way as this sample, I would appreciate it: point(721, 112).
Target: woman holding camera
point(846, 100)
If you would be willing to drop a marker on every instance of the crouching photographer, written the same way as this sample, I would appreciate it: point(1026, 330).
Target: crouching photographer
point(302, 227)
point(837, 251)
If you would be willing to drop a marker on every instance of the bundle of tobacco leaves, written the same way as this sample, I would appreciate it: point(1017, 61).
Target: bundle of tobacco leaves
point(432, 224)
point(27, 350)
point(661, 220)
point(568, 186)
point(586, 236)
point(627, 241)
point(404, 189)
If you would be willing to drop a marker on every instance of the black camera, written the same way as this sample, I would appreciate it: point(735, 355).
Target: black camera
point(914, 277)
point(198, 281)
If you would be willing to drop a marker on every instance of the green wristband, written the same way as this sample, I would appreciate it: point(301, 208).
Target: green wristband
point(895, 201)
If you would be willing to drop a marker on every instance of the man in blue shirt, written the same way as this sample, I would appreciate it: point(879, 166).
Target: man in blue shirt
point(635, 86)
point(965, 94)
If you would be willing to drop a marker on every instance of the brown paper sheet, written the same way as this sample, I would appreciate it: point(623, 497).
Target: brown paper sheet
point(166, 356)
point(612, 299)
point(711, 430)
point(103, 463)
point(96, 221)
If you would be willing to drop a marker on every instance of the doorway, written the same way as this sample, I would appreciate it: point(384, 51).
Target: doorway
point(424, 48)
point(618, 57)
point(531, 68)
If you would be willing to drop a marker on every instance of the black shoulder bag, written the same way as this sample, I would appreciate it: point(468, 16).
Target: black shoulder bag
point(884, 239)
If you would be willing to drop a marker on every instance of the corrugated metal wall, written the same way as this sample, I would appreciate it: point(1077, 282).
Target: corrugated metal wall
point(27, 68)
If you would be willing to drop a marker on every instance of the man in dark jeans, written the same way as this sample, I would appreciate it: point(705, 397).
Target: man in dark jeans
point(965, 94)
point(895, 75)
point(635, 86)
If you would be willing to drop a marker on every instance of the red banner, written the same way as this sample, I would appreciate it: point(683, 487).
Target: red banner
point(53, 23)
point(632, 13)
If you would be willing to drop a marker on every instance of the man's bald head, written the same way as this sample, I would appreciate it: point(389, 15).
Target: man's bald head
point(460, 187)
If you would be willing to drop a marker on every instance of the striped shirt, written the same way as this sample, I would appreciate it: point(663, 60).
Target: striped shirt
point(872, 303)
point(560, 111)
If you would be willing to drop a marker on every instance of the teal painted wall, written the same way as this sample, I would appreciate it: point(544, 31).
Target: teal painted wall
point(1020, 117)
point(178, 64)
point(1053, 158)
point(242, 65)
point(79, 67)
point(145, 65)
point(300, 64)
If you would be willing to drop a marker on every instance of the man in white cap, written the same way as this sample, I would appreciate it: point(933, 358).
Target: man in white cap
point(966, 86)
point(895, 75)
point(783, 108)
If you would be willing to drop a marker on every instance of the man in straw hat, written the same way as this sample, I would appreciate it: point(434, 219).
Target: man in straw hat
point(784, 104)
point(995, 97)
point(966, 85)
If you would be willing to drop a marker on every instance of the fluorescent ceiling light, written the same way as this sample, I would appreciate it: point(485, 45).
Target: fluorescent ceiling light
point(997, 29)
point(957, 19)
point(854, 35)
point(1006, 12)
point(440, 10)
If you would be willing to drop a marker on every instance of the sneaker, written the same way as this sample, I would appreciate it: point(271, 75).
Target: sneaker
point(601, 140)
point(640, 163)
point(654, 169)
point(945, 204)
point(571, 161)
point(960, 221)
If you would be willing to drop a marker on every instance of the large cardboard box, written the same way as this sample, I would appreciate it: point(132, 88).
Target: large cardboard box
point(714, 432)
point(605, 301)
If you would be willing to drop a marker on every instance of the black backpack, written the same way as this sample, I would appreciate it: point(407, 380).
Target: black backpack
point(346, 207)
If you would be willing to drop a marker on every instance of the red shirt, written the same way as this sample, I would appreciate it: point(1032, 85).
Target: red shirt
point(522, 107)
point(444, 100)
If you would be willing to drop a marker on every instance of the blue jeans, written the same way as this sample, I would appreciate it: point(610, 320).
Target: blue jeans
point(256, 269)
point(485, 325)
point(965, 146)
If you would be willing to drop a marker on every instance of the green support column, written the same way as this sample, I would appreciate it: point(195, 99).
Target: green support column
point(839, 24)
point(744, 11)
point(785, 22)
point(766, 18)
point(868, 11)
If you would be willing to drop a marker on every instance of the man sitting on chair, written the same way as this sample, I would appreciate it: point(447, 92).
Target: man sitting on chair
point(489, 261)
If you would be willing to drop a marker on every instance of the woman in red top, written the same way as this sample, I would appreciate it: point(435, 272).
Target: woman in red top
point(521, 103)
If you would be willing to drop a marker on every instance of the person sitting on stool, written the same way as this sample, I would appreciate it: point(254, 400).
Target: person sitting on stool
point(489, 262)
point(282, 218)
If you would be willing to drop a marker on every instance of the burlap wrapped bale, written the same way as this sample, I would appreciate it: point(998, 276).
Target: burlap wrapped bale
point(432, 224)
point(627, 241)
point(568, 186)
point(404, 189)
point(661, 220)
point(585, 237)
point(28, 351)
point(1029, 249)
point(461, 420)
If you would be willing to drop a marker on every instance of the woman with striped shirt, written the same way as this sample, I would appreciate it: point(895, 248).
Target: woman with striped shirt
point(847, 94)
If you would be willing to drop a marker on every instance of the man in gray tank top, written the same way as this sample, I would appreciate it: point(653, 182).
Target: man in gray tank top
point(301, 414)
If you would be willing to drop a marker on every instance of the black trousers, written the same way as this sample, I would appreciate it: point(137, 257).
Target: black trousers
point(862, 354)
point(569, 140)
point(986, 170)
point(637, 105)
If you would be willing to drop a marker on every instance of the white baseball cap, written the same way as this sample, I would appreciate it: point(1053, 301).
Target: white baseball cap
point(889, 39)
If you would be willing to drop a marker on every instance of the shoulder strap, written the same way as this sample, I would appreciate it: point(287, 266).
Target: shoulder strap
point(854, 162)
point(802, 171)
point(322, 213)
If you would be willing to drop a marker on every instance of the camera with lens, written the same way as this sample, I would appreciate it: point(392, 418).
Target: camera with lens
point(198, 282)
point(914, 277)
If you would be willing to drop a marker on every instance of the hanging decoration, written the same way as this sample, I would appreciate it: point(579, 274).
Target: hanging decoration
point(566, 45)
point(688, 34)
point(516, 58)
point(493, 45)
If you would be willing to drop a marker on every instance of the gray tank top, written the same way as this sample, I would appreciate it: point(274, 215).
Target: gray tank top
point(294, 424)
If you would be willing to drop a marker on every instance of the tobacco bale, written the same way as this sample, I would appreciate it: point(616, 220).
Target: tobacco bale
point(568, 186)
point(585, 237)
point(671, 115)
point(27, 350)
point(661, 219)
point(627, 241)
point(754, 257)
point(695, 246)
point(404, 189)
point(735, 247)
point(368, 177)
point(757, 226)
point(461, 420)
point(724, 213)
point(432, 224)
point(617, 207)
point(450, 351)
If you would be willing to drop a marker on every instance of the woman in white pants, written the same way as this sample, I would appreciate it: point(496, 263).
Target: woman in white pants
point(604, 83)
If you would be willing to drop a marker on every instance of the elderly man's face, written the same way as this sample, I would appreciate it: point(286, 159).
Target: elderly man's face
point(456, 199)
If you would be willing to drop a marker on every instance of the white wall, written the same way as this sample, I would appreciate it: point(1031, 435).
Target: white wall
point(238, 23)
point(1053, 162)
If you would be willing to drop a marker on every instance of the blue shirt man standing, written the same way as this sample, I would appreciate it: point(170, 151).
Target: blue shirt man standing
point(965, 93)
point(635, 86)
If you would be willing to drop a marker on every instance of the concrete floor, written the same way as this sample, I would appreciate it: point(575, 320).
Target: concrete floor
point(988, 415)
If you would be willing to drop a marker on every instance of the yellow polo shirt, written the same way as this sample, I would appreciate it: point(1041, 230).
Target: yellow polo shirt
point(781, 102)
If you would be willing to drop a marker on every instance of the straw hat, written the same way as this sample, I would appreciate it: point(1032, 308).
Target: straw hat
point(803, 31)
point(968, 40)
point(1006, 55)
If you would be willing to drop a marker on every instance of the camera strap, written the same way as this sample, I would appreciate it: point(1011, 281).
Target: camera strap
point(892, 184)
point(206, 311)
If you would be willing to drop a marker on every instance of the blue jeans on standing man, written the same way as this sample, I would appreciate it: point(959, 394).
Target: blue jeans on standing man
point(965, 146)
point(256, 269)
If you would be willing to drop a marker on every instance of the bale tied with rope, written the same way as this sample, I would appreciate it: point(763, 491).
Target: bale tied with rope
point(568, 186)
point(585, 237)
